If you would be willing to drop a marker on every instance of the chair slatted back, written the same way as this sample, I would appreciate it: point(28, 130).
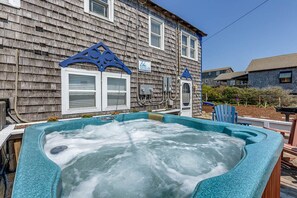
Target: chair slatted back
point(225, 113)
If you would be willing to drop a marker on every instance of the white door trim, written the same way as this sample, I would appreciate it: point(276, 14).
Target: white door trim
point(186, 112)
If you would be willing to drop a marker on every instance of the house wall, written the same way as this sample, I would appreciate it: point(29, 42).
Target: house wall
point(70, 30)
point(270, 78)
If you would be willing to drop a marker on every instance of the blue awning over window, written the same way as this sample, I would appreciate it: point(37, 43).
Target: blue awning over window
point(101, 58)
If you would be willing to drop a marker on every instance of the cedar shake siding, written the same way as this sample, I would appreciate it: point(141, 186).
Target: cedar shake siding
point(48, 32)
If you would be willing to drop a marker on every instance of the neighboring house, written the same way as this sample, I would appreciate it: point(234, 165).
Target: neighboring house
point(274, 71)
point(238, 79)
point(208, 76)
point(146, 50)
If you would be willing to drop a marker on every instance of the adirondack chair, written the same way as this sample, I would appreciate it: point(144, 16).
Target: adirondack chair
point(225, 113)
point(291, 146)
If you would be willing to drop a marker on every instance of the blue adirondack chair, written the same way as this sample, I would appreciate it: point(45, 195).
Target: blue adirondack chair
point(225, 113)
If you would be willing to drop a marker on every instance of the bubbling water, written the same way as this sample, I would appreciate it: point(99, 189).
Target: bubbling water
point(140, 158)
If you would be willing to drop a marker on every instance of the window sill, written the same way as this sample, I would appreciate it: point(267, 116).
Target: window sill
point(81, 110)
point(156, 47)
point(193, 59)
point(110, 20)
point(115, 108)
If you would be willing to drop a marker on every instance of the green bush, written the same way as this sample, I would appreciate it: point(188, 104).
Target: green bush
point(271, 96)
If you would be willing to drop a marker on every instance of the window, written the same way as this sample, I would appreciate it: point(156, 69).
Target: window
point(81, 91)
point(156, 31)
point(14, 3)
point(184, 45)
point(285, 77)
point(218, 73)
point(100, 8)
point(189, 48)
point(115, 91)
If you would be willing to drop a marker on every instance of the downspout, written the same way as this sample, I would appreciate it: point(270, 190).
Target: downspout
point(17, 57)
point(201, 98)
point(177, 33)
point(137, 54)
point(142, 103)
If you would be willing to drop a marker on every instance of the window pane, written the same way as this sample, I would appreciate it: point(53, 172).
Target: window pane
point(184, 51)
point(105, 1)
point(192, 43)
point(285, 75)
point(155, 41)
point(184, 40)
point(192, 53)
point(114, 99)
point(155, 27)
point(99, 8)
point(79, 100)
point(116, 84)
point(81, 82)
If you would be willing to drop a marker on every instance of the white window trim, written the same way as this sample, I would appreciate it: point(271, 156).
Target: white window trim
point(189, 37)
point(13, 3)
point(65, 91)
point(105, 107)
point(162, 32)
point(110, 11)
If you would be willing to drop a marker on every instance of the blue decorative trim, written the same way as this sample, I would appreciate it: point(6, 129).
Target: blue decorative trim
point(186, 74)
point(93, 55)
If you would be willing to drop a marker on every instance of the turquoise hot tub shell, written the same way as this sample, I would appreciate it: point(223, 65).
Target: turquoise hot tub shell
point(37, 176)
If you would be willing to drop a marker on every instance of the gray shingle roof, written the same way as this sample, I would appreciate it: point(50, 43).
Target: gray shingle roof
point(274, 62)
point(229, 76)
point(217, 69)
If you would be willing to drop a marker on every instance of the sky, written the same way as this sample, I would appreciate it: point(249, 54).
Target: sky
point(270, 30)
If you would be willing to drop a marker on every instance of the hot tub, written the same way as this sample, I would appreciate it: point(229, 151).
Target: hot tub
point(38, 176)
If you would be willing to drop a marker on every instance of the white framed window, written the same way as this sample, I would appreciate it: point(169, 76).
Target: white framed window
point(115, 91)
point(156, 32)
point(14, 3)
point(81, 91)
point(189, 46)
point(101, 8)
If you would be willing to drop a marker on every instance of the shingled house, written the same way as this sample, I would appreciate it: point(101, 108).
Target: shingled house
point(72, 57)
point(278, 71)
point(208, 76)
point(238, 79)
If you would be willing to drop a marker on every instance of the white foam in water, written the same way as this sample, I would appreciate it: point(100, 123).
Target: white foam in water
point(140, 158)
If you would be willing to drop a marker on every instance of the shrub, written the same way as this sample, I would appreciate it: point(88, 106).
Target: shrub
point(87, 116)
point(53, 119)
point(273, 96)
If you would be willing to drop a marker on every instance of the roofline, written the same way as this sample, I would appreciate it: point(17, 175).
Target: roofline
point(232, 77)
point(268, 57)
point(218, 69)
point(174, 16)
point(250, 71)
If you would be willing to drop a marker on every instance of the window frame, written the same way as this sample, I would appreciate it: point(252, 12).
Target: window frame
point(105, 76)
point(13, 3)
point(189, 37)
point(282, 72)
point(110, 16)
point(65, 92)
point(162, 29)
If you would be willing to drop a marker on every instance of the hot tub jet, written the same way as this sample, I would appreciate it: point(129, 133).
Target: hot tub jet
point(58, 149)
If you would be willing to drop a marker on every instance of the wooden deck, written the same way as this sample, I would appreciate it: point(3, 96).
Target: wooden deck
point(288, 182)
